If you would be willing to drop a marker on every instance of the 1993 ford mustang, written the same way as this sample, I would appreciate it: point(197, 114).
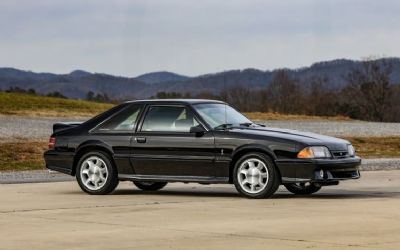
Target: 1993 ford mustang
point(153, 142)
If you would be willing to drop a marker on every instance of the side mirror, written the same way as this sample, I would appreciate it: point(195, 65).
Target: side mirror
point(198, 130)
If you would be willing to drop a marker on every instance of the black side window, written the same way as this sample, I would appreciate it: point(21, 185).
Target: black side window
point(168, 119)
point(123, 121)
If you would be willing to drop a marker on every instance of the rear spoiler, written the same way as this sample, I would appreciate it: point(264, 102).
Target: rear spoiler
point(64, 125)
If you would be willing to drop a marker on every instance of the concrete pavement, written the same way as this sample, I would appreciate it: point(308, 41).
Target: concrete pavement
point(361, 214)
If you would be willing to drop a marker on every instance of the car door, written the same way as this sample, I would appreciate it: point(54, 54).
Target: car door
point(164, 146)
point(117, 132)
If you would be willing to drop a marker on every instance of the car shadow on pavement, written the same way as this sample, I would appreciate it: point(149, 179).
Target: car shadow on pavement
point(189, 192)
point(340, 194)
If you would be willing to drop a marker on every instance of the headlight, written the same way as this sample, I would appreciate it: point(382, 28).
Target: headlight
point(314, 152)
point(351, 150)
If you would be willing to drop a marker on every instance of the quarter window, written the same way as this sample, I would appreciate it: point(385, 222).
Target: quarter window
point(169, 119)
point(124, 120)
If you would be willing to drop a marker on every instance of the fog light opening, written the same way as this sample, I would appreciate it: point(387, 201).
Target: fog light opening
point(321, 173)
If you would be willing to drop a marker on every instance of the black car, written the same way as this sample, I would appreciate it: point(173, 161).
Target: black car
point(153, 142)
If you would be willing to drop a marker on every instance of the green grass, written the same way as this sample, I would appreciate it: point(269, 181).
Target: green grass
point(22, 155)
point(32, 105)
point(376, 147)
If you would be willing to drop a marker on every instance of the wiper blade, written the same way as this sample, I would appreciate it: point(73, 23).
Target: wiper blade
point(224, 126)
point(247, 124)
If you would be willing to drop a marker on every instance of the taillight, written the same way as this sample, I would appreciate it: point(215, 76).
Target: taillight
point(52, 143)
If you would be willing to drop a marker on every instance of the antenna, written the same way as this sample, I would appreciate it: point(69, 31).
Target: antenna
point(225, 97)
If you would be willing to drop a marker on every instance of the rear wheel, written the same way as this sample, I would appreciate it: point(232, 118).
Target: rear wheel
point(150, 186)
point(302, 188)
point(96, 174)
point(255, 176)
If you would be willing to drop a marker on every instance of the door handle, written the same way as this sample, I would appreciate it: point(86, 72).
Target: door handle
point(140, 139)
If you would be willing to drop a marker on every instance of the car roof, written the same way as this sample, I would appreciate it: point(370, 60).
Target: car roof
point(175, 101)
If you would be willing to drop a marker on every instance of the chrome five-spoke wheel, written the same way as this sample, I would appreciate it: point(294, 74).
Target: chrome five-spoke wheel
point(94, 173)
point(253, 175)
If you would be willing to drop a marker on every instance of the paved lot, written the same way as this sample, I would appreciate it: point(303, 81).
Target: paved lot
point(362, 214)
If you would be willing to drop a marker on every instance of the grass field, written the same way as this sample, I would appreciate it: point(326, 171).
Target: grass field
point(22, 156)
point(31, 105)
point(29, 155)
point(376, 147)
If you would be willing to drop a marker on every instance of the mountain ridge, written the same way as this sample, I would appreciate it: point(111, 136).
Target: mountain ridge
point(77, 83)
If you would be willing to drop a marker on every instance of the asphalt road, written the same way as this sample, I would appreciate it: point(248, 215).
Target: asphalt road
point(361, 214)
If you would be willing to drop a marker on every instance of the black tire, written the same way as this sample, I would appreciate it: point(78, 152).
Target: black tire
point(302, 188)
point(272, 184)
point(111, 181)
point(149, 186)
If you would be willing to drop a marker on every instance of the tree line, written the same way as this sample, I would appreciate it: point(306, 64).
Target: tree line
point(90, 96)
point(32, 91)
point(367, 95)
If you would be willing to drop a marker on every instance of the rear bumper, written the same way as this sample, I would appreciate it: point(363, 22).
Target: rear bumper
point(59, 161)
point(319, 170)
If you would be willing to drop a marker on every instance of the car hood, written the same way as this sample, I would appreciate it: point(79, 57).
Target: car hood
point(306, 138)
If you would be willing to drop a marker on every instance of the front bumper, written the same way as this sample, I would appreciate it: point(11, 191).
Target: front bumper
point(310, 170)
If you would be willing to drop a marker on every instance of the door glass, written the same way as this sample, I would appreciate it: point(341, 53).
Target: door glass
point(124, 120)
point(168, 119)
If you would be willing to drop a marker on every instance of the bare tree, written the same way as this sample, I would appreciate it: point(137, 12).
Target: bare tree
point(241, 97)
point(283, 94)
point(369, 89)
point(319, 99)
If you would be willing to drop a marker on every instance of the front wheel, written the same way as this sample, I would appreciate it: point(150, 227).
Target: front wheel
point(302, 188)
point(150, 186)
point(255, 176)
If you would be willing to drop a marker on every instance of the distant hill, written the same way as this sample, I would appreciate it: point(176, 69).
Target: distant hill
point(162, 76)
point(77, 83)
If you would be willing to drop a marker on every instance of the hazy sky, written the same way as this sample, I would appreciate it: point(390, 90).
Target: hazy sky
point(192, 37)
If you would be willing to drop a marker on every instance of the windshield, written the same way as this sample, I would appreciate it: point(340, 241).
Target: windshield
point(217, 114)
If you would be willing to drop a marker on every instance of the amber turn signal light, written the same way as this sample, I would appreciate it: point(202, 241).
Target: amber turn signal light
point(306, 153)
point(314, 152)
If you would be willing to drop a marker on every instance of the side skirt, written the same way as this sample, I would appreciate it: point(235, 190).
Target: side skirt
point(171, 178)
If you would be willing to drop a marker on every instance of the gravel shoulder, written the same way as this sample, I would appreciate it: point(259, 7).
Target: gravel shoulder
point(340, 128)
point(15, 128)
point(33, 176)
